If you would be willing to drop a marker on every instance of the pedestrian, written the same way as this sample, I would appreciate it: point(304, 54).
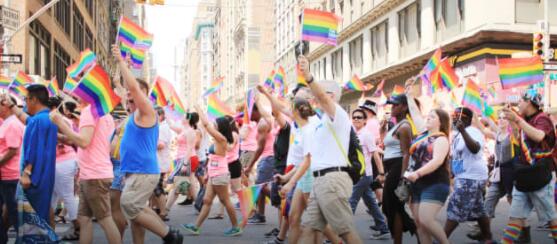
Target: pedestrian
point(138, 152)
point(11, 138)
point(218, 174)
point(362, 189)
point(163, 157)
point(469, 168)
point(117, 185)
point(328, 203)
point(533, 187)
point(38, 163)
point(373, 126)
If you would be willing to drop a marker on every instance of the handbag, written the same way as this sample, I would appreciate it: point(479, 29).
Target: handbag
point(402, 191)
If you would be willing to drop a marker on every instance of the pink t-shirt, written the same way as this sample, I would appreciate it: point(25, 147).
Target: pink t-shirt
point(65, 152)
point(11, 136)
point(268, 150)
point(250, 142)
point(233, 154)
point(373, 126)
point(182, 143)
point(367, 141)
point(94, 161)
point(217, 165)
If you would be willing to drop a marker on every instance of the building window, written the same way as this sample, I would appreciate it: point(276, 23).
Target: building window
point(63, 15)
point(88, 38)
point(336, 64)
point(61, 61)
point(448, 11)
point(380, 39)
point(324, 68)
point(356, 55)
point(78, 29)
point(408, 24)
point(90, 6)
point(39, 50)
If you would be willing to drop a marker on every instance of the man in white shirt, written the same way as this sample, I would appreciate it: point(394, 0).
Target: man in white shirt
point(328, 203)
point(163, 156)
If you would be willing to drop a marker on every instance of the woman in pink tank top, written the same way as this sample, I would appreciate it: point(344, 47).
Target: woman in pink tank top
point(218, 174)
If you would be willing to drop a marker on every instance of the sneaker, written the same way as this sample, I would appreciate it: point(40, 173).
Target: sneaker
point(524, 236)
point(176, 236)
point(374, 228)
point(544, 227)
point(234, 231)
point(257, 220)
point(192, 229)
point(186, 202)
point(381, 236)
point(274, 241)
point(273, 232)
point(475, 235)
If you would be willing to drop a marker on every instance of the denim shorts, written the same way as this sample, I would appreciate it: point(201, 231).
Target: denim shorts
point(435, 193)
point(306, 182)
point(265, 169)
point(118, 181)
point(541, 200)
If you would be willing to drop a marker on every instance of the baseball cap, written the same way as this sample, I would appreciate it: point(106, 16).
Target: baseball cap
point(398, 99)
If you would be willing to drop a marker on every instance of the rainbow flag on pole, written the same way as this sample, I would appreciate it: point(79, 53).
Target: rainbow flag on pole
point(137, 56)
point(300, 76)
point(355, 84)
point(86, 60)
point(269, 83)
point(247, 198)
point(516, 72)
point(248, 108)
point(319, 26)
point(159, 94)
point(215, 86)
point(175, 101)
point(4, 81)
point(69, 85)
point(279, 81)
point(132, 33)
point(18, 84)
point(379, 89)
point(94, 88)
point(53, 88)
point(472, 98)
point(433, 63)
point(217, 108)
point(489, 112)
point(448, 75)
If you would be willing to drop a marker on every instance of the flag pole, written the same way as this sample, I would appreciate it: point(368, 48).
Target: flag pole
point(118, 30)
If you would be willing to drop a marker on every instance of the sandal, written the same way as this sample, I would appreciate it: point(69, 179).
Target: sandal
point(217, 217)
point(71, 236)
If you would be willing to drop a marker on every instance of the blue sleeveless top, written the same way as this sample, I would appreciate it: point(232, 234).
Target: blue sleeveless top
point(138, 149)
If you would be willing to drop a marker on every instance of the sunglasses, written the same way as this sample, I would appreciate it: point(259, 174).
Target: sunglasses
point(357, 118)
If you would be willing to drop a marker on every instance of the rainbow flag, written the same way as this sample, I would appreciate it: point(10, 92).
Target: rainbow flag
point(17, 86)
point(4, 81)
point(397, 90)
point(300, 76)
point(136, 55)
point(492, 92)
point(454, 101)
point(159, 92)
point(217, 108)
point(319, 26)
point(86, 60)
point(269, 81)
point(448, 75)
point(379, 89)
point(432, 64)
point(215, 86)
point(516, 72)
point(69, 85)
point(94, 88)
point(279, 80)
point(248, 108)
point(355, 84)
point(175, 101)
point(472, 98)
point(489, 112)
point(247, 198)
point(132, 33)
point(53, 88)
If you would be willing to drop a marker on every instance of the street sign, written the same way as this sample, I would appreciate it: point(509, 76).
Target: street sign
point(11, 58)
point(9, 18)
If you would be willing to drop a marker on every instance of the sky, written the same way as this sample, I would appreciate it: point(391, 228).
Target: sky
point(170, 24)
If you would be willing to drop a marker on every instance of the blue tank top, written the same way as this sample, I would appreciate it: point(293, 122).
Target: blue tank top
point(138, 149)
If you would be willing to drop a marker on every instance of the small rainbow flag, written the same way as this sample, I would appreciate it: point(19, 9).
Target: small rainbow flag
point(18, 84)
point(472, 98)
point(454, 101)
point(516, 72)
point(4, 81)
point(489, 112)
point(175, 100)
point(355, 84)
point(94, 88)
point(279, 80)
point(132, 33)
point(319, 26)
point(215, 86)
point(433, 63)
point(86, 60)
point(300, 76)
point(448, 75)
point(158, 93)
point(492, 91)
point(269, 81)
point(136, 55)
point(217, 108)
point(69, 85)
point(397, 90)
point(247, 198)
point(53, 88)
point(379, 89)
point(248, 108)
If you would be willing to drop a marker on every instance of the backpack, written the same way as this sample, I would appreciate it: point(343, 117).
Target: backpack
point(354, 157)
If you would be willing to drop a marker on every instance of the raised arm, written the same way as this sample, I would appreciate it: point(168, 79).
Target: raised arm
point(277, 106)
point(531, 132)
point(146, 115)
point(415, 113)
point(219, 138)
point(326, 102)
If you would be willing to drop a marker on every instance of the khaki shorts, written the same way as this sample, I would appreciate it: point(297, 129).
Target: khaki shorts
point(138, 188)
point(328, 204)
point(94, 198)
point(220, 180)
point(245, 159)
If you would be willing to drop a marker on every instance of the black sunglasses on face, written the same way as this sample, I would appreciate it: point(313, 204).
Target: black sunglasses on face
point(357, 117)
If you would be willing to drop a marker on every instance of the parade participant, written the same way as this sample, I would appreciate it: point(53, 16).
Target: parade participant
point(469, 168)
point(362, 189)
point(328, 203)
point(248, 145)
point(118, 180)
point(264, 156)
point(218, 174)
point(65, 181)
point(395, 160)
point(138, 152)
point(11, 136)
point(428, 171)
point(163, 157)
point(95, 170)
point(371, 123)
point(38, 160)
point(373, 126)
point(533, 187)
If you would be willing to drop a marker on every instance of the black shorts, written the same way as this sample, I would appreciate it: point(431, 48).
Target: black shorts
point(235, 169)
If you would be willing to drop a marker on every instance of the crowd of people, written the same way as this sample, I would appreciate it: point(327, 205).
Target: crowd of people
point(129, 172)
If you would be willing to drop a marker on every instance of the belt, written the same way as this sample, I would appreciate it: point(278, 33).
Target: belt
point(325, 171)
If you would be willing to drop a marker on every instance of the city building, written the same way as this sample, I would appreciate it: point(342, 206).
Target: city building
point(53, 41)
point(393, 39)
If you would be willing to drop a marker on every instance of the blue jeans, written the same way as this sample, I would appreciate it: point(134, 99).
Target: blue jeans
point(7, 196)
point(363, 190)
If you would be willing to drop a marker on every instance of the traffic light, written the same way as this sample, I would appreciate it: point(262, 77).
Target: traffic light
point(538, 43)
